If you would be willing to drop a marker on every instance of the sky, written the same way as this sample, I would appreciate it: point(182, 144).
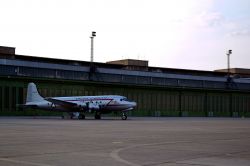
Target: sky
point(186, 34)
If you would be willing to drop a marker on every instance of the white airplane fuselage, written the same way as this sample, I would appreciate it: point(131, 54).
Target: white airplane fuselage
point(106, 103)
point(81, 104)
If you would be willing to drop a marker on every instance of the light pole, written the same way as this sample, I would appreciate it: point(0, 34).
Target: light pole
point(228, 63)
point(92, 46)
point(92, 67)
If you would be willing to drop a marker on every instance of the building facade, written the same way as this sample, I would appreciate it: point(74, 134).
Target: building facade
point(157, 91)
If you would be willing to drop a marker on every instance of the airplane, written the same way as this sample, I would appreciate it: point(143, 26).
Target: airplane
point(77, 106)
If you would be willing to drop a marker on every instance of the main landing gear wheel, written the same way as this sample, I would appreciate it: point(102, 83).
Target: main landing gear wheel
point(97, 116)
point(81, 117)
point(124, 116)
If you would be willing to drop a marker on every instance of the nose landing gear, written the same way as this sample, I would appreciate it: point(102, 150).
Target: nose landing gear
point(124, 116)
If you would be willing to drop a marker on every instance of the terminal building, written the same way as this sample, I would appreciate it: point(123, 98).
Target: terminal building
point(157, 91)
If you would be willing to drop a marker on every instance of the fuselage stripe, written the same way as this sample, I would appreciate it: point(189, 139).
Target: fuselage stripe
point(87, 99)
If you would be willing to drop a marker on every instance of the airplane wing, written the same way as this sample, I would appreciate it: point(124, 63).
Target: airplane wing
point(61, 102)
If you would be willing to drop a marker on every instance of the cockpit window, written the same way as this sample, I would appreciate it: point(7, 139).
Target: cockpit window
point(124, 99)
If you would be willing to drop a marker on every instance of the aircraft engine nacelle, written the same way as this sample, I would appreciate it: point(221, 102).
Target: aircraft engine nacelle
point(93, 106)
point(82, 105)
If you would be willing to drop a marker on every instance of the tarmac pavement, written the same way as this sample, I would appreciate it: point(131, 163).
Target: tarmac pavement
point(137, 141)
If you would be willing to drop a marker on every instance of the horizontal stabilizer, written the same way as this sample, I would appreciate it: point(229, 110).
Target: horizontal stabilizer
point(26, 106)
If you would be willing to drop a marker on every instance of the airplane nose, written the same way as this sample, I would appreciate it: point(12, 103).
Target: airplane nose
point(134, 104)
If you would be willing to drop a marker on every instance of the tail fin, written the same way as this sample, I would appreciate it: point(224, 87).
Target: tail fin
point(32, 94)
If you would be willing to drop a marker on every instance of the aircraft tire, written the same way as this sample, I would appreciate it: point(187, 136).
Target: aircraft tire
point(97, 116)
point(124, 117)
point(82, 117)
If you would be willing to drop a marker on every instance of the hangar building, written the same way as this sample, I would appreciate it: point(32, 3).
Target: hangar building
point(157, 91)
